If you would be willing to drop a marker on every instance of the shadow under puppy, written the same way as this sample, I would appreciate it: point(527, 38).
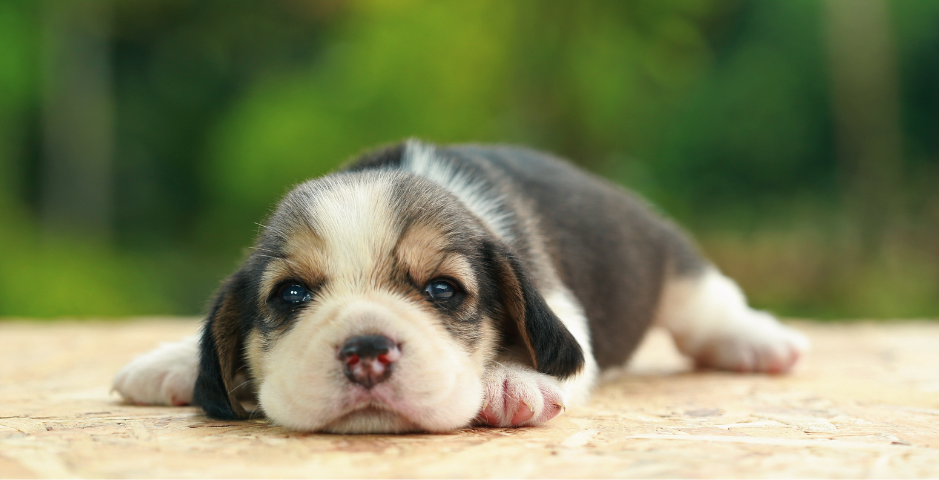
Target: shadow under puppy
point(427, 288)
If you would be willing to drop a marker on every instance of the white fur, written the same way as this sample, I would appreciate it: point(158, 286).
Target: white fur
point(577, 388)
point(357, 223)
point(478, 197)
point(710, 320)
point(435, 386)
point(163, 376)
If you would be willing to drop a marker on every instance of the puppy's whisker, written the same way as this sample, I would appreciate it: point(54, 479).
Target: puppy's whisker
point(503, 349)
point(239, 386)
point(277, 232)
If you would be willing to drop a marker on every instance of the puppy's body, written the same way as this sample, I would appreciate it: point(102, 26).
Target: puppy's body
point(425, 287)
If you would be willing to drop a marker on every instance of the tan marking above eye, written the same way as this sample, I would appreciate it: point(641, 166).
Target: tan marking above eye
point(301, 259)
point(424, 252)
point(455, 266)
point(304, 255)
point(280, 270)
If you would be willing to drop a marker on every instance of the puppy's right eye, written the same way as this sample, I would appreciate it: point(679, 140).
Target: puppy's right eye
point(294, 294)
point(441, 290)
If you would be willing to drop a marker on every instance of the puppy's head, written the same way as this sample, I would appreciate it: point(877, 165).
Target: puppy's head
point(373, 302)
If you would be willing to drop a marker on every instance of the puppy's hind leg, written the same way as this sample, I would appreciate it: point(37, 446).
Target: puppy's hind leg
point(163, 376)
point(708, 316)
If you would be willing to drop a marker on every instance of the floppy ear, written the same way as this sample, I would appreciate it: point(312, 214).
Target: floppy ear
point(553, 349)
point(221, 357)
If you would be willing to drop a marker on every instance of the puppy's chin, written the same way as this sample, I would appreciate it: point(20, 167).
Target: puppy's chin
point(455, 407)
point(371, 420)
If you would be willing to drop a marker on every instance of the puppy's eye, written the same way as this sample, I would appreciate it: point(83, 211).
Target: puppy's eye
point(441, 290)
point(294, 294)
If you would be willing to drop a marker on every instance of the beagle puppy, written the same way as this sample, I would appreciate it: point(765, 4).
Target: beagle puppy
point(429, 288)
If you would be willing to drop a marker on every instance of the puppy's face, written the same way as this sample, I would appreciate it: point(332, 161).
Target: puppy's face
point(372, 303)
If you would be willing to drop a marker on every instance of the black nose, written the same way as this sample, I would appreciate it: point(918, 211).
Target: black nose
point(369, 359)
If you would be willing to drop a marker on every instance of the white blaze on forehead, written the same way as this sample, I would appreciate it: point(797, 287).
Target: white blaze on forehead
point(355, 222)
point(480, 198)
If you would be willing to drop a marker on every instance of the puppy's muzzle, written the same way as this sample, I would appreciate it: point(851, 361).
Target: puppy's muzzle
point(369, 359)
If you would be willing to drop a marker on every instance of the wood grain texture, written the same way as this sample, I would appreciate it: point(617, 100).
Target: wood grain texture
point(864, 404)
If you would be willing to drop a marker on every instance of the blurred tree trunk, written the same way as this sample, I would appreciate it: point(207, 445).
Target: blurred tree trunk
point(866, 108)
point(77, 119)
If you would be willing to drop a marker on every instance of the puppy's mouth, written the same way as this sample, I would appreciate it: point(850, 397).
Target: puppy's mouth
point(378, 409)
point(372, 419)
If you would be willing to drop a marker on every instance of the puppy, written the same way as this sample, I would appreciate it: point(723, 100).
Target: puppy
point(427, 288)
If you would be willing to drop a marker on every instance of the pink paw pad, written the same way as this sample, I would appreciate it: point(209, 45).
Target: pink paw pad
point(520, 400)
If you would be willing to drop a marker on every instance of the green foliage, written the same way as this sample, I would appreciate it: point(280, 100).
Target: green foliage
point(757, 127)
point(719, 111)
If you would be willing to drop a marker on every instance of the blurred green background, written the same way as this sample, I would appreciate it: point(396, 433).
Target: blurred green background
point(140, 141)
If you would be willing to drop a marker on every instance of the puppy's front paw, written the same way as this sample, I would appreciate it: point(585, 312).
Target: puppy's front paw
point(762, 344)
point(164, 376)
point(519, 396)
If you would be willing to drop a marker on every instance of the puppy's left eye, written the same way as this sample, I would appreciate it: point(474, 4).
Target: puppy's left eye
point(294, 294)
point(442, 290)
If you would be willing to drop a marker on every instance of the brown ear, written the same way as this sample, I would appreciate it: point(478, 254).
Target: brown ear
point(553, 349)
point(221, 357)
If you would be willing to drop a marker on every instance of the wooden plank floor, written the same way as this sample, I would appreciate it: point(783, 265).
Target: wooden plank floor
point(864, 404)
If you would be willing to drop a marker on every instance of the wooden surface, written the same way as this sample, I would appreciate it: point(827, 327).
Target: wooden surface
point(864, 404)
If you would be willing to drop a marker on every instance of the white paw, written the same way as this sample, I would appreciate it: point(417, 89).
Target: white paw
point(164, 376)
point(515, 396)
point(760, 344)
